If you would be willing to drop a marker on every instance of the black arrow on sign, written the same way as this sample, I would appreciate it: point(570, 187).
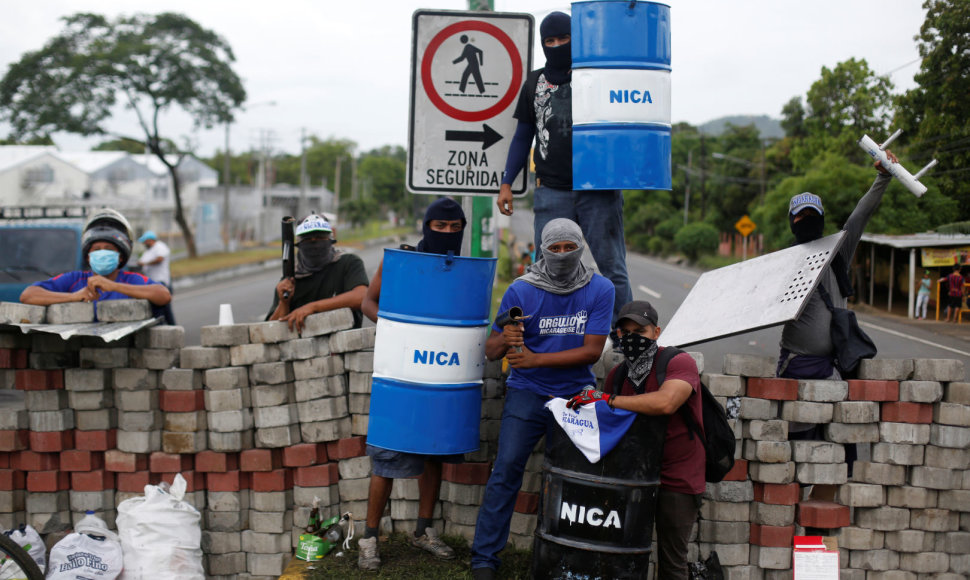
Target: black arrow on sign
point(487, 136)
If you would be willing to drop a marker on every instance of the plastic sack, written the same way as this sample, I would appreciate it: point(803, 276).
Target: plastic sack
point(91, 551)
point(161, 535)
point(29, 539)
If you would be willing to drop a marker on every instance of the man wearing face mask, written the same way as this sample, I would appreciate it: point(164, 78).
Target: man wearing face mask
point(106, 245)
point(551, 354)
point(444, 225)
point(325, 279)
point(682, 465)
point(544, 112)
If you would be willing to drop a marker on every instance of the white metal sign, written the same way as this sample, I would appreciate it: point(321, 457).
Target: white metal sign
point(467, 69)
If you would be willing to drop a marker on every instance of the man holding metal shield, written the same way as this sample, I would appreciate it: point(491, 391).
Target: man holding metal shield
point(544, 112)
point(443, 229)
point(325, 278)
point(551, 350)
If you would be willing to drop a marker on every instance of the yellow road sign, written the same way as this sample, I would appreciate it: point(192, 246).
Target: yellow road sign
point(745, 226)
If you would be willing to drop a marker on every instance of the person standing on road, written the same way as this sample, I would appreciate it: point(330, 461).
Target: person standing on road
point(551, 355)
point(923, 296)
point(954, 296)
point(682, 479)
point(544, 113)
point(325, 278)
point(154, 263)
point(443, 229)
point(106, 246)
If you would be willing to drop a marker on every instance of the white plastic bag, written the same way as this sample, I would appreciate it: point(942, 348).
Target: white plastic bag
point(91, 551)
point(29, 539)
point(161, 535)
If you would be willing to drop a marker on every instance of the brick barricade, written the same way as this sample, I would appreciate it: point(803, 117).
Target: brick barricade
point(261, 421)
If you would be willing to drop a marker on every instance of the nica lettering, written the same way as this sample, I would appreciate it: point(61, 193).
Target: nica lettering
point(440, 358)
point(628, 96)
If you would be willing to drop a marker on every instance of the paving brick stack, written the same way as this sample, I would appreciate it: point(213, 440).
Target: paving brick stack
point(260, 421)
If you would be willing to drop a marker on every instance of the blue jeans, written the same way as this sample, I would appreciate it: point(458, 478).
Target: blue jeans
point(600, 216)
point(524, 422)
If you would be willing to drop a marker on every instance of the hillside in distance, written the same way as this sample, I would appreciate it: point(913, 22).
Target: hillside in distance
point(768, 127)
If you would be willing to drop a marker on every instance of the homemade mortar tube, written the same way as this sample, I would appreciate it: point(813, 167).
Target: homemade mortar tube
point(621, 95)
point(429, 352)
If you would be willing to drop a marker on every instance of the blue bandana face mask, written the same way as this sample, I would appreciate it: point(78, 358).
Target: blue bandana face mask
point(103, 262)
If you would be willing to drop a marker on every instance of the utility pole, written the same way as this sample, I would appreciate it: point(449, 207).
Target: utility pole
point(301, 209)
point(690, 155)
point(226, 231)
point(336, 188)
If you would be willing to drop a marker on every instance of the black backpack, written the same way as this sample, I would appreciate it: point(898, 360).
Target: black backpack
point(719, 443)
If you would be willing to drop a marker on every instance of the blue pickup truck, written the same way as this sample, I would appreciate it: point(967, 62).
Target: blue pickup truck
point(37, 243)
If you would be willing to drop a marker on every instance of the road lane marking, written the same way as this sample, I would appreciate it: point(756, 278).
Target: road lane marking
point(646, 290)
point(913, 338)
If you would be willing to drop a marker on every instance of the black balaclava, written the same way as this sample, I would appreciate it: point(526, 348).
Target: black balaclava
point(442, 242)
point(559, 59)
point(809, 228)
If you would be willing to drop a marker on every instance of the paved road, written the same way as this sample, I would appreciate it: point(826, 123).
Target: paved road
point(664, 285)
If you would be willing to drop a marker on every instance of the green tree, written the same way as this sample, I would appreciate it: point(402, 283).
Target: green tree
point(696, 238)
point(151, 63)
point(793, 118)
point(383, 174)
point(935, 114)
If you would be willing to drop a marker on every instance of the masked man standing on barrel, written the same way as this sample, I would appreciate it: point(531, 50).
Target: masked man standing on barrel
point(326, 279)
point(443, 229)
point(632, 385)
point(567, 310)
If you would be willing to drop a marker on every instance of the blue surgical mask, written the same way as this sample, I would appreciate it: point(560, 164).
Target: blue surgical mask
point(103, 262)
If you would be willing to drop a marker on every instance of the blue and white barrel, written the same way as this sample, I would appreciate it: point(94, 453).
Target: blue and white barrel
point(429, 353)
point(621, 95)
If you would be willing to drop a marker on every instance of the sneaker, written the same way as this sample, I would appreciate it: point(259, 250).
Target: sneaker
point(483, 574)
point(369, 558)
point(432, 543)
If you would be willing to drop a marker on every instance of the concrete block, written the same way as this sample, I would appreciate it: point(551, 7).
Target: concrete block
point(736, 491)
point(281, 416)
point(852, 433)
point(166, 337)
point(353, 340)
point(181, 380)
point(724, 385)
point(855, 538)
point(96, 420)
point(325, 409)
point(822, 391)
point(904, 433)
point(134, 379)
point(222, 521)
point(897, 454)
point(332, 430)
point(271, 501)
point(956, 392)
point(276, 437)
point(250, 354)
point(934, 520)
point(230, 421)
point(226, 378)
point(772, 514)
point(70, 313)
point(885, 369)
point(805, 412)
point(938, 369)
point(771, 558)
point(861, 495)
point(227, 400)
point(878, 473)
point(124, 310)
point(155, 358)
point(761, 430)
point(231, 565)
point(227, 501)
point(53, 360)
point(230, 442)
point(874, 560)
point(272, 373)
point(225, 335)
point(104, 358)
point(329, 322)
point(183, 442)
point(822, 473)
point(187, 422)
point(52, 400)
point(952, 414)
point(204, 357)
point(221, 542)
point(17, 313)
point(886, 519)
point(139, 442)
point(925, 563)
point(355, 467)
point(271, 332)
point(304, 348)
point(360, 405)
point(772, 472)
point(758, 409)
point(911, 497)
point(856, 412)
point(271, 522)
point(948, 436)
point(271, 565)
point(767, 451)
point(90, 401)
point(332, 386)
point(51, 420)
point(140, 420)
point(137, 401)
point(272, 395)
point(748, 365)
point(817, 452)
point(13, 419)
point(920, 391)
point(361, 362)
point(946, 457)
point(935, 477)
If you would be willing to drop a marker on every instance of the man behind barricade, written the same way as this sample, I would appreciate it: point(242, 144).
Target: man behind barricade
point(325, 278)
point(544, 113)
point(632, 385)
point(106, 246)
point(155, 264)
point(443, 229)
point(551, 354)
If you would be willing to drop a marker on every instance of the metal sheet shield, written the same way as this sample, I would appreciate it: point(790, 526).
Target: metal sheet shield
point(751, 295)
point(107, 331)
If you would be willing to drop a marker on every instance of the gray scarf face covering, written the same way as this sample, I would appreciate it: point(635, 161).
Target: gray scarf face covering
point(560, 273)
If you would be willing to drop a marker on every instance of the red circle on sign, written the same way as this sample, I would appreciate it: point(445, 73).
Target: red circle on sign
point(507, 98)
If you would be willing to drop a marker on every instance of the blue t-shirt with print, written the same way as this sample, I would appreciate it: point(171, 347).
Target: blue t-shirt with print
point(558, 323)
point(74, 281)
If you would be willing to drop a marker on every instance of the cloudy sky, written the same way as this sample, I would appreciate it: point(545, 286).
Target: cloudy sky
point(342, 69)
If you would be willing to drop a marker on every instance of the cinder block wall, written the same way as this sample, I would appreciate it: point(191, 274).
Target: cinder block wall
point(260, 421)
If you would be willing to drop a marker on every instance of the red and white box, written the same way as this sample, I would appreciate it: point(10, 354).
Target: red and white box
point(815, 558)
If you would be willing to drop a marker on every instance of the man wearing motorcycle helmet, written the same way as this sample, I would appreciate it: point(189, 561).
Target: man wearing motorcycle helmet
point(106, 246)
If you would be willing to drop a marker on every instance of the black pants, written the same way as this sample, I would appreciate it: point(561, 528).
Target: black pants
point(676, 514)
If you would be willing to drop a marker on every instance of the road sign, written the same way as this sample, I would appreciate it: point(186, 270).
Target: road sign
point(467, 69)
point(745, 226)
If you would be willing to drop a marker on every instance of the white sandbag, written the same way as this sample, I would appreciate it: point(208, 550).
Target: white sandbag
point(29, 539)
point(90, 552)
point(161, 535)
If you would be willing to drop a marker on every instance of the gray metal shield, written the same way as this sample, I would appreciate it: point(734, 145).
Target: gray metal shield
point(751, 295)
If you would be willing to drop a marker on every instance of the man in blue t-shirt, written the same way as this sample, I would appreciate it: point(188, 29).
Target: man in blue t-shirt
point(551, 353)
point(106, 245)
